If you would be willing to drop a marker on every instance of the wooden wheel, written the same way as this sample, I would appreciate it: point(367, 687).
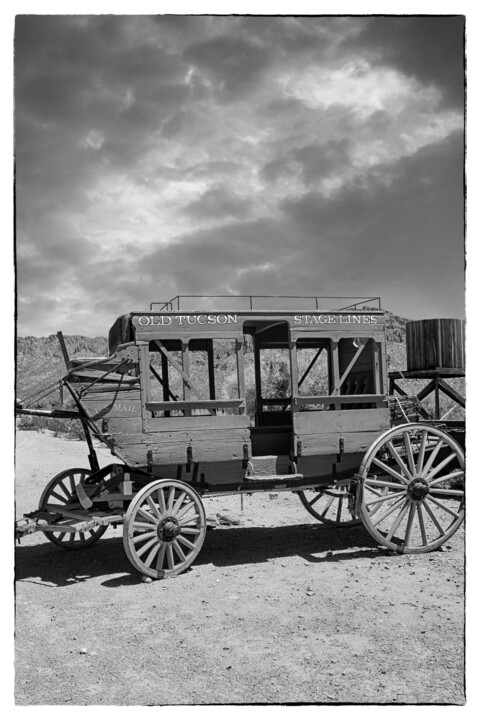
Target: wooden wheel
point(164, 528)
point(60, 494)
point(412, 488)
point(331, 506)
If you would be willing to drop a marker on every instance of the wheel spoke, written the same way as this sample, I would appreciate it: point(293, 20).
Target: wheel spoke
point(161, 556)
point(448, 492)
point(146, 515)
point(434, 519)
point(171, 496)
point(399, 460)
point(440, 466)
point(60, 498)
point(444, 507)
point(178, 503)
point(170, 558)
point(153, 507)
point(141, 551)
point(66, 492)
point(383, 484)
point(398, 520)
point(327, 506)
point(390, 471)
point(422, 523)
point(186, 542)
point(144, 536)
point(161, 501)
point(179, 550)
point(139, 525)
point(421, 453)
point(190, 530)
point(408, 447)
point(339, 509)
point(408, 531)
point(151, 555)
point(317, 497)
point(444, 478)
point(432, 457)
point(185, 509)
point(388, 512)
point(72, 482)
point(381, 500)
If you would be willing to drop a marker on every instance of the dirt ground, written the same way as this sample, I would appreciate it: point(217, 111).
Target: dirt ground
point(278, 609)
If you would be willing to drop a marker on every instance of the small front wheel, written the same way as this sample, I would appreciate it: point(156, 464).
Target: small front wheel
point(412, 488)
point(164, 528)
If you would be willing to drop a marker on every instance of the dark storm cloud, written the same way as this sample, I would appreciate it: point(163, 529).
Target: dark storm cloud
point(406, 235)
point(166, 154)
point(235, 63)
point(429, 48)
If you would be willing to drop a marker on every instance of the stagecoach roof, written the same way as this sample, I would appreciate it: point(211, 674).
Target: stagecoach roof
point(229, 314)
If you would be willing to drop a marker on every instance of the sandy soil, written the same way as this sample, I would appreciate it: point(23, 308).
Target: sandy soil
point(279, 609)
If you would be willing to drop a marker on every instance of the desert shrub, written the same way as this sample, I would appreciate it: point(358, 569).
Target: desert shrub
point(60, 427)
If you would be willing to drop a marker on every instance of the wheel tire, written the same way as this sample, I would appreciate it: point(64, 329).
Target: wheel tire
point(60, 493)
point(164, 528)
point(416, 501)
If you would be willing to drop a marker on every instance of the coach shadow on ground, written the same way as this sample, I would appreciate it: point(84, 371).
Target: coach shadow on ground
point(47, 564)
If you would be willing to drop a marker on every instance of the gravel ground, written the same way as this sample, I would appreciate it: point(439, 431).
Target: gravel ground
point(278, 609)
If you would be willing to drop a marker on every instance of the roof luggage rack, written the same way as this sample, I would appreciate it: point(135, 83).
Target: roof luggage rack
point(267, 302)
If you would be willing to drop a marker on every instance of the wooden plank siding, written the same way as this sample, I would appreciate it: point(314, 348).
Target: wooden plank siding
point(319, 432)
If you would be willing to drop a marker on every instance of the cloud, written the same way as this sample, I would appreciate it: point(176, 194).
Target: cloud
point(161, 154)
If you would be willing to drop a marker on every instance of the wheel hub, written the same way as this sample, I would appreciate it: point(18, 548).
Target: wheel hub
point(418, 489)
point(168, 529)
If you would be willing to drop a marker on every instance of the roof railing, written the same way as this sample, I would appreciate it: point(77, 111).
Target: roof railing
point(260, 302)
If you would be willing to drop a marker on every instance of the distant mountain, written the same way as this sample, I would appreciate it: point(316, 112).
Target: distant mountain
point(40, 361)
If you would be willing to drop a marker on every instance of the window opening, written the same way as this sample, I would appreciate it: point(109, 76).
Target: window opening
point(201, 376)
point(356, 366)
point(314, 373)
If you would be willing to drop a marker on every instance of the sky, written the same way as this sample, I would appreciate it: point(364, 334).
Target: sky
point(164, 155)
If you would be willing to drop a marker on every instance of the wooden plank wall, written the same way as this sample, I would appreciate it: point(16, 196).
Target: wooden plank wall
point(320, 431)
point(436, 343)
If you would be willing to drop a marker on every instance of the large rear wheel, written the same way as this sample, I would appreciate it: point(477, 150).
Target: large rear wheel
point(412, 488)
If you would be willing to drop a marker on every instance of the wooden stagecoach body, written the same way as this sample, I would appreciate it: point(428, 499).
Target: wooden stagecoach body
point(325, 428)
point(211, 442)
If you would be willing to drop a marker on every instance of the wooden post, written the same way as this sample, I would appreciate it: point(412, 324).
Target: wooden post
point(63, 348)
point(377, 387)
point(335, 371)
point(211, 369)
point(166, 384)
point(258, 380)
point(294, 372)
point(437, 399)
point(186, 370)
point(240, 374)
point(144, 367)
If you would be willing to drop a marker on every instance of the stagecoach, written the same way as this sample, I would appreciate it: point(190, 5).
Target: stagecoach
point(201, 397)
